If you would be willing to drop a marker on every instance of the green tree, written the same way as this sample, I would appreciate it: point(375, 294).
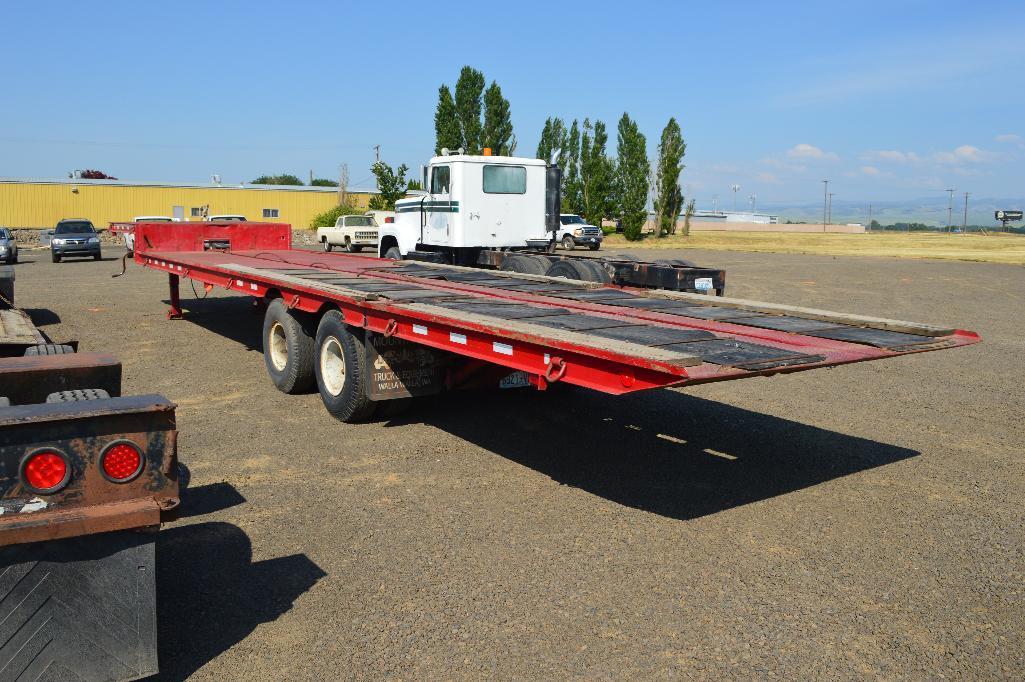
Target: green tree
point(323, 182)
point(686, 218)
point(446, 127)
point(668, 201)
point(553, 136)
point(632, 177)
point(497, 132)
point(573, 193)
point(597, 174)
point(391, 186)
point(283, 179)
point(469, 89)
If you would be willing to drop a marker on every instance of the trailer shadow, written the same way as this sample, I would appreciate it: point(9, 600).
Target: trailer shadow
point(663, 451)
point(237, 318)
point(211, 594)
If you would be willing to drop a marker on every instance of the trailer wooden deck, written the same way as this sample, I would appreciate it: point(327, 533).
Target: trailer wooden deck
point(612, 339)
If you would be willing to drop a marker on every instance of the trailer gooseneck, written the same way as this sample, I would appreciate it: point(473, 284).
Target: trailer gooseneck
point(365, 330)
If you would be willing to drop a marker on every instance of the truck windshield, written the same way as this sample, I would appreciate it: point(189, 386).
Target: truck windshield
point(75, 227)
point(571, 220)
point(360, 221)
point(505, 180)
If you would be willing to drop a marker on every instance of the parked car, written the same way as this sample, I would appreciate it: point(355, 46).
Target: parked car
point(350, 232)
point(578, 232)
point(8, 246)
point(75, 237)
point(130, 235)
point(226, 218)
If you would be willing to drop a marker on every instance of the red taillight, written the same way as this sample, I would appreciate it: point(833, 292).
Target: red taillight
point(389, 219)
point(121, 462)
point(45, 471)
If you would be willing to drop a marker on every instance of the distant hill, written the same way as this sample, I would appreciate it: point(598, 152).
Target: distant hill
point(931, 211)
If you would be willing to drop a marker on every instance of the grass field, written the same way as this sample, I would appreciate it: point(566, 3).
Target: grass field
point(995, 248)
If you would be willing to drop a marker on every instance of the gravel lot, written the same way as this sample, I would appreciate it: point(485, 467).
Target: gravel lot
point(864, 521)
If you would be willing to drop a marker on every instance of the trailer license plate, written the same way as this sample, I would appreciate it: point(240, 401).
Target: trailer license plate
point(703, 283)
point(515, 380)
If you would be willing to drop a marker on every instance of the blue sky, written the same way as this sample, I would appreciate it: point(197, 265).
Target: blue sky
point(888, 100)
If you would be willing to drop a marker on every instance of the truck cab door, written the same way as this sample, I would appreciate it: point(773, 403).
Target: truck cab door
point(438, 207)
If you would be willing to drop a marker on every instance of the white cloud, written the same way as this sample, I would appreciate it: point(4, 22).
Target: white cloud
point(869, 170)
point(890, 155)
point(810, 151)
point(1011, 138)
point(769, 178)
point(966, 153)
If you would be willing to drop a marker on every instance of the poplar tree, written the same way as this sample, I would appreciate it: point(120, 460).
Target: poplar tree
point(668, 195)
point(497, 132)
point(597, 174)
point(632, 177)
point(446, 127)
point(553, 136)
point(469, 89)
point(572, 198)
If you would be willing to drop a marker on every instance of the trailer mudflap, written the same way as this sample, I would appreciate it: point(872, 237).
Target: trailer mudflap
point(400, 369)
point(79, 608)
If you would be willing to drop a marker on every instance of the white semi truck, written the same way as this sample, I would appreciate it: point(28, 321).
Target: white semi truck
point(504, 212)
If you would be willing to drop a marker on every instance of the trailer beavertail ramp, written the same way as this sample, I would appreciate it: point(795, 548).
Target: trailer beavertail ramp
point(608, 338)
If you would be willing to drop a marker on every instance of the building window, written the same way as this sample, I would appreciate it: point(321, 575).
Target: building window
point(197, 211)
point(270, 213)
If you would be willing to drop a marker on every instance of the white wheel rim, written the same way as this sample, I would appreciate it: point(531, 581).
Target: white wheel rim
point(332, 365)
point(278, 344)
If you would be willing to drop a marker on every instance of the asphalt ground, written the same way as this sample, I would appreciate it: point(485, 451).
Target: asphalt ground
point(864, 521)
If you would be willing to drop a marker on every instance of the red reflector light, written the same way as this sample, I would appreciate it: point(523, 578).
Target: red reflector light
point(389, 219)
point(45, 471)
point(121, 462)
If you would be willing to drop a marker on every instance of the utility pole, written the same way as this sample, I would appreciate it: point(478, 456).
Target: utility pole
point(964, 225)
point(735, 188)
point(831, 208)
point(950, 206)
point(343, 182)
point(311, 176)
point(870, 217)
point(753, 199)
point(377, 152)
point(715, 201)
point(825, 203)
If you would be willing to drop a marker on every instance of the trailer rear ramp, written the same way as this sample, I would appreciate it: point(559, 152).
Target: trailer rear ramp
point(608, 338)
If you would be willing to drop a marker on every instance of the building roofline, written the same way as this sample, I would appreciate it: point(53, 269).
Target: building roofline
point(177, 185)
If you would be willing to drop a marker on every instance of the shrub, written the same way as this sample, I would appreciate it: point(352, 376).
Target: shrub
point(328, 217)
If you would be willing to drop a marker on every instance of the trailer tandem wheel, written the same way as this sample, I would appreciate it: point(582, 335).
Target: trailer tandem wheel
point(287, 348)
point(341, 369)
point(579, 268)
point(525, 264)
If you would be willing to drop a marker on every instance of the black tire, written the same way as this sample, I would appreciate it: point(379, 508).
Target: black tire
point(393, 253)
point(579, 268)
point(55, 258)
point(98, 256)
point(568, 243)
point(594, 247)
point(77, 395)
point(327, 246)
point(527, 265)
point(50, 349)
point(288, 348)
point(348, 245)
point(341, 370)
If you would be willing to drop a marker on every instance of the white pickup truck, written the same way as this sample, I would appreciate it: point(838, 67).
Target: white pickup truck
point(350, 232)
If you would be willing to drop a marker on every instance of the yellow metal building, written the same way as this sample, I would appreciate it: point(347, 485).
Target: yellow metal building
point(37, 203)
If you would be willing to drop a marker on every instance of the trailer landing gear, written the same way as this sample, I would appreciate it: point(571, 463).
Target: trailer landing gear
point(175, 311)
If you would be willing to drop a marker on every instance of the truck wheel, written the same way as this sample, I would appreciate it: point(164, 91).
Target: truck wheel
point(287, 349)
point(393, 253)
point(594, 247)
point(527, 265)
point(76, 395)
point(348, 245)
point(97, 256)
point(341, 370)
point(50, 349)
point(55, 258)
point(568, 243)
point(579, 268)
point(327, 246)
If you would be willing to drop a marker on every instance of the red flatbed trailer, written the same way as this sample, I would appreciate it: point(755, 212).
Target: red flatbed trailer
point(608, 338)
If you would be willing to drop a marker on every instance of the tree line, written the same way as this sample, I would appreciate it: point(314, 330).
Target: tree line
point(595, 184)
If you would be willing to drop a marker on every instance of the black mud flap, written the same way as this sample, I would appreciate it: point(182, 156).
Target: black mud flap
point(400, 369)
point(79, 609)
